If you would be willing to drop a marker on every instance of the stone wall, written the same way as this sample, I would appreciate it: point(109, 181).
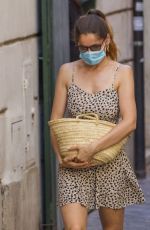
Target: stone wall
point(147, 69)
point(19, 116)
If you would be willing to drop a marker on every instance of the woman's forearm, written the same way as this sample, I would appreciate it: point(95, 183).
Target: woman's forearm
point(55, 145)
point(121, 130)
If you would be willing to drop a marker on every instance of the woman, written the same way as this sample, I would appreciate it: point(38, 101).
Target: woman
point(96, 83)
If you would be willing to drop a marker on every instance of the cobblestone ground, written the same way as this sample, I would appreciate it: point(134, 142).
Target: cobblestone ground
point(137, 217)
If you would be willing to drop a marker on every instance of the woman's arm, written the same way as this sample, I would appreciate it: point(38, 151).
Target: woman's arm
point(58, 109)
point(59, 103)
point(128, 113)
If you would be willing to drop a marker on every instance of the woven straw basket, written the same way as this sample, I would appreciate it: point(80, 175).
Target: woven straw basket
point(81, 130)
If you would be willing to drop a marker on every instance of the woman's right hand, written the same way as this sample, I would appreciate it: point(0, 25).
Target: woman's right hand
point(73, 164)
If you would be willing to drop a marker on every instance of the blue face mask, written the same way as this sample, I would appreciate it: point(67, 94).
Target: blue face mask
point(92, 57)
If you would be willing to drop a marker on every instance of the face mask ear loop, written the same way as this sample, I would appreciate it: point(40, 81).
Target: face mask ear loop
point(103, 47)
point(106, 45)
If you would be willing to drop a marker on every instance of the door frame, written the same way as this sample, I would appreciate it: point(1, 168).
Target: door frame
point(49, 162)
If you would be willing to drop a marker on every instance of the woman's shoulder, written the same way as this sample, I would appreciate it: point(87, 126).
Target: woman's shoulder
point(123, 69)
point(68, 66)
point(66, 71)
point(125, 73)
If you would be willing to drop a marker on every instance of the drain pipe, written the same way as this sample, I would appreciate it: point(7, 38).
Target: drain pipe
point(139, 137)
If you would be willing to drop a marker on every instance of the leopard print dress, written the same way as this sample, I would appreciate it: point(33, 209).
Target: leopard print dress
point(112, 185)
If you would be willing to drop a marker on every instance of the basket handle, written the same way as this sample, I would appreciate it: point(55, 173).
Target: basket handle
point(89, 116)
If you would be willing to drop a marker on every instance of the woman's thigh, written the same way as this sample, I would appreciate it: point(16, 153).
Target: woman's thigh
point(112, 219)
point(74, 216)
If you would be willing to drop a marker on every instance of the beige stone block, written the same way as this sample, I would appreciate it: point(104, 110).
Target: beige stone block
point(2, 144)
point(17, 61)
point(11, 208)
point(113, 5)
point(147, 70)
point(19, 93)
point(31, 203)
point(123, 35)
point(121, 24)
point(147, 111)
point(21, 203)
point(18, 18)
point(1, 205)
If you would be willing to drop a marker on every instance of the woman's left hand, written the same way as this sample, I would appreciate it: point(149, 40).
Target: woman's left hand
point(85, 153)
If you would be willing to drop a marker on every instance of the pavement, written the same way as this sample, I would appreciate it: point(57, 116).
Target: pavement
point(137, 217)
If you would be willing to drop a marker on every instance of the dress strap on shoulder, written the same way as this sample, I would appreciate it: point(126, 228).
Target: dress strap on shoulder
point(115, 73)
point(73, 72)
point(118, 65)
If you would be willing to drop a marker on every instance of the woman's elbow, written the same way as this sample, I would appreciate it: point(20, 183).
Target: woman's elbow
point(132, 124)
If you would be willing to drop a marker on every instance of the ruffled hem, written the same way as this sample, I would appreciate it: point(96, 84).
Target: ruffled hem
point(98, 206)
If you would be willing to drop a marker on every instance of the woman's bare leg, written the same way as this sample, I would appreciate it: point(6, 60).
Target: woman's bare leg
point(112, 219)
point(74, 216)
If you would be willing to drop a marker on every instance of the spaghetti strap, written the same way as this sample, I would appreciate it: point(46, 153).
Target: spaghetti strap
point(73, 73)
point(115, 72)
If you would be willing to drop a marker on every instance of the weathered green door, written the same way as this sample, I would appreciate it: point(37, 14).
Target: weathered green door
point(48, 164)
point(55, 51)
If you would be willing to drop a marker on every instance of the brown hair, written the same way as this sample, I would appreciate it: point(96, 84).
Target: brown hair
point(95, 22)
